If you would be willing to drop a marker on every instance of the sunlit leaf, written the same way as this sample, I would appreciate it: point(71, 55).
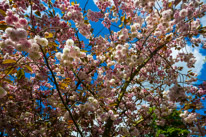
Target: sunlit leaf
point(72, 3)
point(8, 61)
point(170, 4)
point(122, 18)
point(50, 35)
point(121, 25)
point(110, 48)
point(63, 85)
point(67, 80)
point(82, 50)
point(86, 22)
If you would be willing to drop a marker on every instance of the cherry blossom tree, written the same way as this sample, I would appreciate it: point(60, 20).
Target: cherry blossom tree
point(53, 82)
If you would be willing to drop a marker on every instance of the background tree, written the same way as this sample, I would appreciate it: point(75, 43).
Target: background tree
point(173, 127)
point(60, 78)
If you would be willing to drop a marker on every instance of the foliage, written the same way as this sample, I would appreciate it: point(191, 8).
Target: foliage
point(174, 126)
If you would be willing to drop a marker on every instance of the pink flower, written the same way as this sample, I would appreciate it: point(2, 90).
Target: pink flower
point(15, 18)
point(23, 21)
point(21, 33)
point(26, 44)
point(8, 20)
point(183, 13)
point(9, 13)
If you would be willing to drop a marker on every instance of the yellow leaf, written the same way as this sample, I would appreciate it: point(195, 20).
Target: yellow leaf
point(170, 5)
point(121, 25)
point(9, 71)
point(122, 18)
point(51, 44)
point(112, 104)
point(72, 3)
point(82, 50)
point(86, 22)
point(67, 80)
point(9, 61)
point(63, 85)
point(3, 13)
point(28, 67)
point(110, 48)
point(50, 35)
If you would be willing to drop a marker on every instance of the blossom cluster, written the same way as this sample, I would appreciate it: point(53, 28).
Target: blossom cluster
point(189, 117)
point(94, 16)
point(70, 53)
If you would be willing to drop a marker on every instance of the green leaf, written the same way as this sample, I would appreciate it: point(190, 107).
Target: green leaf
point(139, 121)
point(8, 61)
point(20, 74)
